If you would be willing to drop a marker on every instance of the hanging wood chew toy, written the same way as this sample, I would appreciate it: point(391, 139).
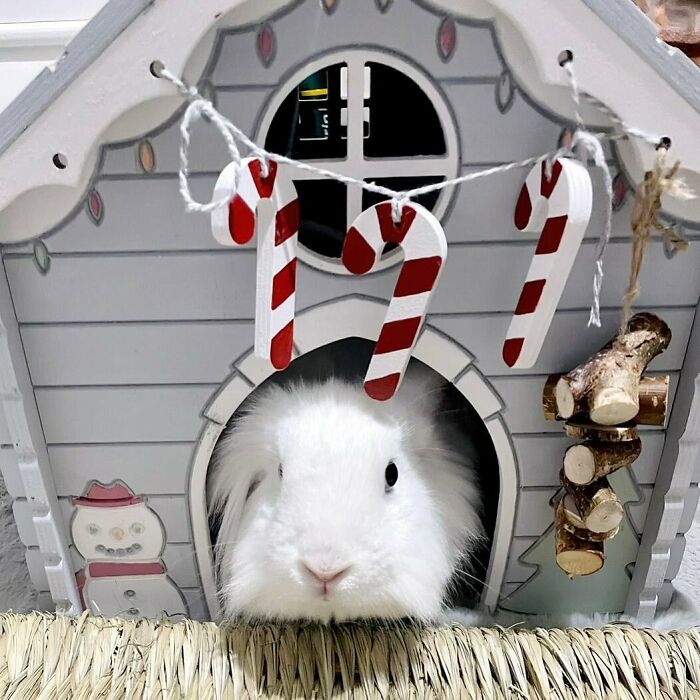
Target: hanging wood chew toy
point(606, 387)
point(602, 397)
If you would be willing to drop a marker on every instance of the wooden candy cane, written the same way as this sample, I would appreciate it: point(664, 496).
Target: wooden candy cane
point(559, 208)
point(276, 256)
point(423, 241)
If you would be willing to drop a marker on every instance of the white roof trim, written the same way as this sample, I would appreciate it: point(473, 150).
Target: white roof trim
point(104, 73)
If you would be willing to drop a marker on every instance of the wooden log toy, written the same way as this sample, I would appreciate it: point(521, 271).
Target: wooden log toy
point(599, 509)
point(593, 460)
point(575, 525)
point(575, 556)
point(653, 399)
point(606, 387)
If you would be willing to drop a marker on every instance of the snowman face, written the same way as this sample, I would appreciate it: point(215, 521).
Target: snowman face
point(130, 532)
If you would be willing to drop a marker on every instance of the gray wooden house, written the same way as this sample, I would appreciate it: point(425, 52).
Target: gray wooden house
point(128, 332)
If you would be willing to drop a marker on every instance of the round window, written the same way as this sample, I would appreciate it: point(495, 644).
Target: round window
point(368, 115)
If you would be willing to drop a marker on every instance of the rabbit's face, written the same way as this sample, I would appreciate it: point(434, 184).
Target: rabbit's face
point(345, 519)
point(345, 526)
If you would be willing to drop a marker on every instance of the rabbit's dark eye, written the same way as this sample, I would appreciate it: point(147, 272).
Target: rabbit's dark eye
point(280, 471)
point(391, 476)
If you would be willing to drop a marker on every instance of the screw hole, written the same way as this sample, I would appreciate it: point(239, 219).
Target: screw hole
point(60, 161)
point(665, 142)
point(156, 69)
point(565, 57)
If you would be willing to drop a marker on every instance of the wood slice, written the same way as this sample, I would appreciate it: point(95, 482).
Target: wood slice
point(549, 403)
point(593, 460)
point(606, 387)
point(601, 433)
point(573, 524)
point(653, 400)
point(576, 557)
point(598, 507)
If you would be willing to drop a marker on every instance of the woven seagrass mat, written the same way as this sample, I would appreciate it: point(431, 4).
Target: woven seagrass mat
point(43, 656)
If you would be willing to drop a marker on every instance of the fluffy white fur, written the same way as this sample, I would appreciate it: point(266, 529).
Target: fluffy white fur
point(330, 509)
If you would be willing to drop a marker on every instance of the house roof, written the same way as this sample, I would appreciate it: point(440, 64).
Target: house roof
point(103, 75)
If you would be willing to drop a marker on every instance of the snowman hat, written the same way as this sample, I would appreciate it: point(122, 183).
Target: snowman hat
point(107, 496)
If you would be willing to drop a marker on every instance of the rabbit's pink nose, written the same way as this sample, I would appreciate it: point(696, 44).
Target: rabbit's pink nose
point(326, 576)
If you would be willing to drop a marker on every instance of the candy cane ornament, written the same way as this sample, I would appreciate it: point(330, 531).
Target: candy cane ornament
point(422, 239)
point(276, 253)
point(559, 208)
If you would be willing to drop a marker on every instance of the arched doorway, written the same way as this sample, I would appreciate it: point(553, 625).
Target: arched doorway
point(358, 317)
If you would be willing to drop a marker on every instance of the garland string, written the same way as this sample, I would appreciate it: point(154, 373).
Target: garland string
point(584, 145)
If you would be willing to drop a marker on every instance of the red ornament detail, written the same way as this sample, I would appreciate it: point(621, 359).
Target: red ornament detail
point(397, 335)
point(95, 207)
point(392, 232)
point(267, 44)
point(284, 283)
point(548, 184)
point(358, 255)
point(241, 220)
point(113, 569)
point(529, 297)
point(281, 346)
point(383, 388)
point(550, 238)
point(107, 496)
point(447, 38)
point(619, 189)
point(511, 350)
point(418, 276)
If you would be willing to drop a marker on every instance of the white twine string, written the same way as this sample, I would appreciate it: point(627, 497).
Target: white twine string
point(589, 142)
point(591, 147)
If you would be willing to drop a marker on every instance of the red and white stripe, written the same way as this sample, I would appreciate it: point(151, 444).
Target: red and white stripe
point(277, 243)
point(559, 208)
point(422, 239)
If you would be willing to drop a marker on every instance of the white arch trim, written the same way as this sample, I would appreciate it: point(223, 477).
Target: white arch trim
point(361, 318)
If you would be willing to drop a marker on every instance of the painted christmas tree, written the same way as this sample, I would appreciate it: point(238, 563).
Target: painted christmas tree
point(550, 590)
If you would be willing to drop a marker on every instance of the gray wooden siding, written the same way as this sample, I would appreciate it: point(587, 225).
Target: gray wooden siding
point(173, 413)
point(123, 414)
point(219, 285)
point(151, 468)
point(203, 351)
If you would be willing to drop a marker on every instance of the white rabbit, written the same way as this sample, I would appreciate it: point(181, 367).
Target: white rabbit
point(332, 506)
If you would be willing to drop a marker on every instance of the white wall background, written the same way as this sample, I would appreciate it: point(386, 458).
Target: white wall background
point(33, 36)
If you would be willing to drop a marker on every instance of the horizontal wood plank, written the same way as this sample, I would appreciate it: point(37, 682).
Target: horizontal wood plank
point(133, 414)
point(220, 285)
point(146, 468)
point(199, 352)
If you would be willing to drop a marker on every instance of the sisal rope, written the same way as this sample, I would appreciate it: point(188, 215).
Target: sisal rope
point(659, 181)
point(81, 658)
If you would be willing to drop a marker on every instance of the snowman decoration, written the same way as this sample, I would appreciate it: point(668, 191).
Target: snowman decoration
point(121, 540)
